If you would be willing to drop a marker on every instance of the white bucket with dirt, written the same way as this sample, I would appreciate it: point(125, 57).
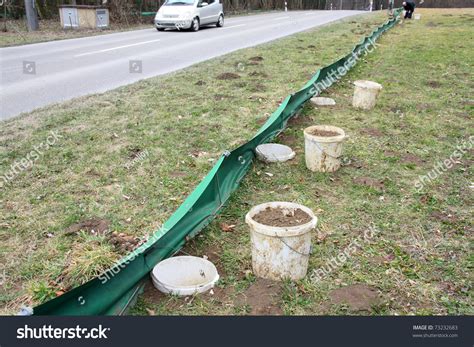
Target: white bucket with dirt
point(184, 275)
point(280, 233)
point(323, 147)
point(365, 94)
point(417, 16)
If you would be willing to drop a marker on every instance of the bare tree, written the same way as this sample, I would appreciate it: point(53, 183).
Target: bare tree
point(31, 15)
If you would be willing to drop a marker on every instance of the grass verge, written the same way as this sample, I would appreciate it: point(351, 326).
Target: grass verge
point(50, 30)
point(419, 260)
point(121, 162)
point(126, 159)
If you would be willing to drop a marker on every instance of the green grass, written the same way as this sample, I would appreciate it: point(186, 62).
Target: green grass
point(184, 127)
point(419, 262)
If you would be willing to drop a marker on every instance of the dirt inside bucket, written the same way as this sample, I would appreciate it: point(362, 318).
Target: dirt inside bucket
point(282, 217)
point(323, 133)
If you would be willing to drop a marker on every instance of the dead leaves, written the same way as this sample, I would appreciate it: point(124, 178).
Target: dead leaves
point(227, 228)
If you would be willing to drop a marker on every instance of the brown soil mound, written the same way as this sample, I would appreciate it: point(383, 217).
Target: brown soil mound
point(280, 217)
point(95, 224)
point(323, 133)
point(228, 76)
point(256, 58)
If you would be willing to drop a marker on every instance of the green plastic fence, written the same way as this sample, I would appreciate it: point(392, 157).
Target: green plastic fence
point(114, 291)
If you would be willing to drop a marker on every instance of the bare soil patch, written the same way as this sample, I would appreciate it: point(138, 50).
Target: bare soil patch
point(123, 242)
point(263, 297)
point(288, 139)
point(298, 120)
point(372, 132)
point(412, 159)
point(94, 225)
point(434, 84)
point(280, 217)
point(369, 182)
point(228, 76)
point(444, 217)
point(256, 58)
point(358, 297)
point(258, 74)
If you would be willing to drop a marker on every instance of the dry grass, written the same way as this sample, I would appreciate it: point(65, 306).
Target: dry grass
point(50, 30)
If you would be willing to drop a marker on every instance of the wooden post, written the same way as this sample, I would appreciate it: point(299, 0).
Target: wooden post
point(31, 15)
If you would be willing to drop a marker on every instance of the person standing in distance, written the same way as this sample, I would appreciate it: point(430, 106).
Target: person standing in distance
point(409, 7)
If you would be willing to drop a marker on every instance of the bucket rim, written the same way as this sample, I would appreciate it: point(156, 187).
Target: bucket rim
point(275, 231)
point(365, 84)
point(325, 139)
point(174, 288)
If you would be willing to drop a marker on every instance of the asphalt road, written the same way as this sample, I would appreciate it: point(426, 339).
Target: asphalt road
point(40, 74)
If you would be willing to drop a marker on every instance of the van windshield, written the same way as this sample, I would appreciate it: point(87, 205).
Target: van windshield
point(178, 3)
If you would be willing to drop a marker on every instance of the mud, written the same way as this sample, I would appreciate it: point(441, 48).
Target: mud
point(323, 133)
point(95, 225)
point(358, 297)
point(256, 58)
point(263, 298)
point(279, 217)
point(372, 132)
point(228, 76)
point(369, 182)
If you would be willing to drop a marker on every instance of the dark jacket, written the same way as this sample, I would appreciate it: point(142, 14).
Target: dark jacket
point(410, 6)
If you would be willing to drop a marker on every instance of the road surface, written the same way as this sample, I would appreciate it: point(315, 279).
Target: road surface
point(40, 74)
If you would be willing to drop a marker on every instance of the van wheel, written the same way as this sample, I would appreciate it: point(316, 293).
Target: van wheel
point(220, 21)
point(195, 24)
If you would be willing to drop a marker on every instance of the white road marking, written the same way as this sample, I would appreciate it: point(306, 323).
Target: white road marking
point(281, 18)
point(233, 26)
point(114, 48)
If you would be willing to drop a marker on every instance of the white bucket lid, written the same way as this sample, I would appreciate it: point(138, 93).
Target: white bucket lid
point(184, 275)
point(368, 84)
point(274, 152)
point(322, 101)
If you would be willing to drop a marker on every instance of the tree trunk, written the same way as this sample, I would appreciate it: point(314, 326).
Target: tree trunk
point(31, 15)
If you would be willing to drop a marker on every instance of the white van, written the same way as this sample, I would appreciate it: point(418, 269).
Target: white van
point(189, 14)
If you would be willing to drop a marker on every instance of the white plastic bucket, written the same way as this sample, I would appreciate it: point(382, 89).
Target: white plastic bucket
point(417, 16)
point(184, 275)
point(322, 153)
point(365, 94)
point(274, 152)
point(280, 252)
